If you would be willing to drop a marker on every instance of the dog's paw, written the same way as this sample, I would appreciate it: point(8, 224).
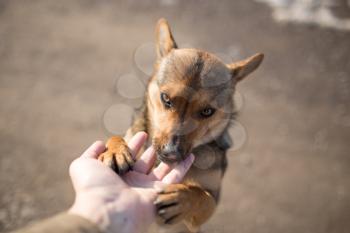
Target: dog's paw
point(117, 156)
point(173, 204)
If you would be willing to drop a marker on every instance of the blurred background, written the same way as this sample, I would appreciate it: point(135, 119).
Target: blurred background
point(71, 72)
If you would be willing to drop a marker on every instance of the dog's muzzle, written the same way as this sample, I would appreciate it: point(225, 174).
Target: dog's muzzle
point(174, 150)
point(172, 153)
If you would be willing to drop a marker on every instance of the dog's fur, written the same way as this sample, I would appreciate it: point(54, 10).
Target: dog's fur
point(188, 108)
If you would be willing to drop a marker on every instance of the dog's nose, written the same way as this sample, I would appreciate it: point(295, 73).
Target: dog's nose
point(172, 149)
point(175, 140)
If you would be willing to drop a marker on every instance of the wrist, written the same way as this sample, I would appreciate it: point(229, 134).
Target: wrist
point(107, 216)
point(92, 211)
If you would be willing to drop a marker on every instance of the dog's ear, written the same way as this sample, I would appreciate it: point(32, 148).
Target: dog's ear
point(242, 68)
point(165, 40)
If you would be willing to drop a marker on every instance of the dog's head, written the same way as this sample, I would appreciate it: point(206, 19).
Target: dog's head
point(190, 96)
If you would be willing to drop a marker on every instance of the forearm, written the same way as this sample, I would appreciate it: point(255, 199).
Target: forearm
point(62, 223)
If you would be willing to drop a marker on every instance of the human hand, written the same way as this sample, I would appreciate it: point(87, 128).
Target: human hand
point(123, 204)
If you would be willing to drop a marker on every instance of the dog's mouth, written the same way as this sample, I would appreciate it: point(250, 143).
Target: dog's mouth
point(168, 159)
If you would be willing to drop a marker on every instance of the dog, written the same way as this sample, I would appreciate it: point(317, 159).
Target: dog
point(187, 109)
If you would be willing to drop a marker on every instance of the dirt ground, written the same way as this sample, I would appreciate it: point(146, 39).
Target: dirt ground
point(59, 62)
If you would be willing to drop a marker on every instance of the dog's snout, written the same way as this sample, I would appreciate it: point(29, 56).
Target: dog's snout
point(173, 149)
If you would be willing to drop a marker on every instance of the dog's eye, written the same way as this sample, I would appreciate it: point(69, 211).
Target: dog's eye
point(207, 112)
point(166, 100)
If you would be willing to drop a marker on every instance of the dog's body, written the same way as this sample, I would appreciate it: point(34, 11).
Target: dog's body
point(188, 108)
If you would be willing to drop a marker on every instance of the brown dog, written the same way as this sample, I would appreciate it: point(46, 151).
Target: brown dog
point(188, 107)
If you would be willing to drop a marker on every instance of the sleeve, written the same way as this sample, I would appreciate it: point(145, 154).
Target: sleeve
point(62, 223)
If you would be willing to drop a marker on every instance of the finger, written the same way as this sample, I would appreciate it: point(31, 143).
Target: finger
point(160, 171)
point(159, 186)
point(148, 194)
point(94, 150)
point(145, 163)
point(136, 142)
point(138, 180)
point(177, 174)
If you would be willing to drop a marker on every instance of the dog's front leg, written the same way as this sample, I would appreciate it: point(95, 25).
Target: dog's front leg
point(184, 202)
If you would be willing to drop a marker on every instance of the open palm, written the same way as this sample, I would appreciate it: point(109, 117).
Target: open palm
point(123, 204)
